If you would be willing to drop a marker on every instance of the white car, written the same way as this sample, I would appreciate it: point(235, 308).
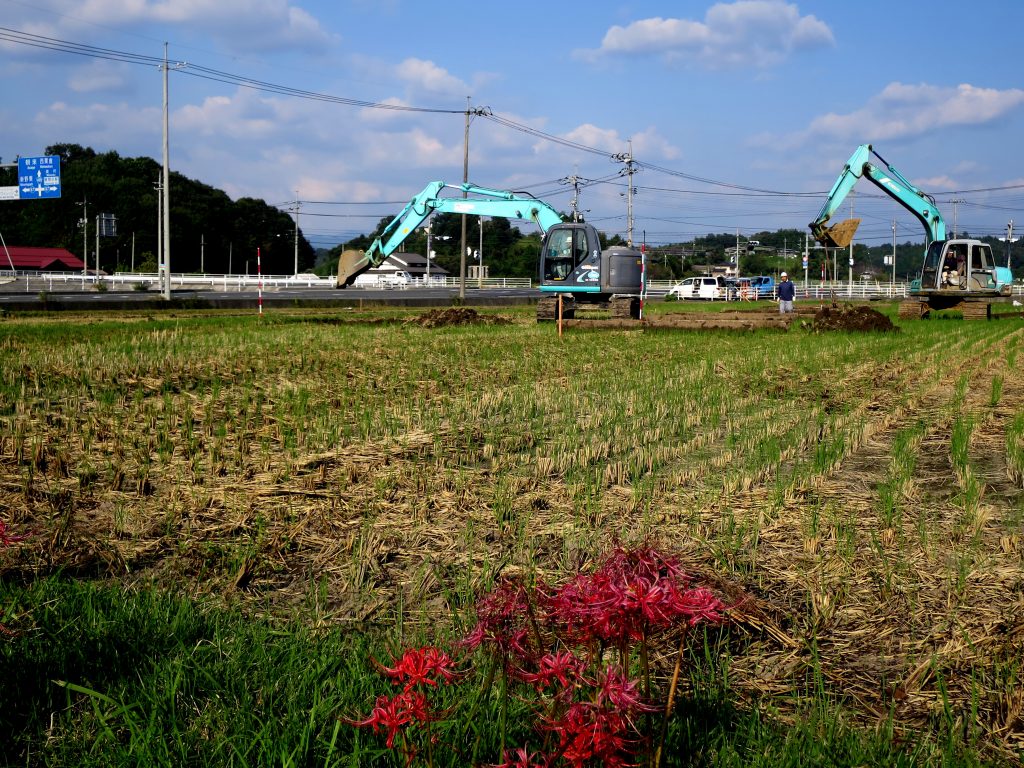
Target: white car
point(707, 288)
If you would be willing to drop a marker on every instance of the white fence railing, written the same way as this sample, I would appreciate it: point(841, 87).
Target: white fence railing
point(862, 290)
point(36, 281)
point(56, 281)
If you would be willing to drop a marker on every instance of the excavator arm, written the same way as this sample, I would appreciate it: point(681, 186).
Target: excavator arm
point(890, 181)
point(487, 202)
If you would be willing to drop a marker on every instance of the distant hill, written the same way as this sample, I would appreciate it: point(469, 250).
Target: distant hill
point(209, 231)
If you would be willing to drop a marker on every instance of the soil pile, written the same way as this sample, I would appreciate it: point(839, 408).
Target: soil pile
point(442, 318)
point(858, 318)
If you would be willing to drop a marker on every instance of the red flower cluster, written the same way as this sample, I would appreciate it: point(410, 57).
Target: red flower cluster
point(422, 666)
point(614, 688)
point(7, 538)
point(553, 639)
point(592, 735)
point(562, 667)
point(393, 714)
point(630, 593)
point(523, 758)
point(418, 670)
point(503, 621)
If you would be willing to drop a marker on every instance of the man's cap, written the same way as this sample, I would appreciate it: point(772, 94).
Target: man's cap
point(783, 275)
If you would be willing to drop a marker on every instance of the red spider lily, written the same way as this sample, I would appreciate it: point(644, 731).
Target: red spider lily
point(422, 666)
point(630, 593)
point(393, 714)
point(522, 758)
point(563, 667)
point(700, 604)
point(615, 689)
point(503, 621)
point(7, 538)
point(588, 734)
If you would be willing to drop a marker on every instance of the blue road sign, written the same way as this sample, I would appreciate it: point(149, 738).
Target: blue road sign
point(38, 177)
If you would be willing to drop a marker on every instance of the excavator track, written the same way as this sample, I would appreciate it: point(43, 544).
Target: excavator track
point(624, 307)
point(547, 308)
point(976, 310)
point(913, 309)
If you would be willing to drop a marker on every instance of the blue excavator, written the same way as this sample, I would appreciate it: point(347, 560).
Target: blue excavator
point(573, 267)
point(957, 274)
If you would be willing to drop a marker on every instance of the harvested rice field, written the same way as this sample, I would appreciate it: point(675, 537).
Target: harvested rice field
point(857, 497)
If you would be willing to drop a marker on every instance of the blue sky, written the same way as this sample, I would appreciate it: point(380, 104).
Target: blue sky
point(759, 94)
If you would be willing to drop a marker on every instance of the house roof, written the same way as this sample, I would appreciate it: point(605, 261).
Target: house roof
point(52, 259)
point(413, 263)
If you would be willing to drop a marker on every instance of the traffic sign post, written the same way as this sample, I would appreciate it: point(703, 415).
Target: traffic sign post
point(38, 177)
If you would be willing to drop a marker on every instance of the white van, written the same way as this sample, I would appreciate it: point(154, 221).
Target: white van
point(707, 288)
point(398, 279)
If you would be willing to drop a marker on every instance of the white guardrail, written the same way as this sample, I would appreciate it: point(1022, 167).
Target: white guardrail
point(119, 280)
point(57, 281)
point(832, 290)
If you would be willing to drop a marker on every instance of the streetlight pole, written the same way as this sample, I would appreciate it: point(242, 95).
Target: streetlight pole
point(85, 235)
point(480, 255)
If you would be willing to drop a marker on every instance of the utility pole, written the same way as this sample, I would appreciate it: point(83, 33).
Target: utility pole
point(465, 180)
point(956, 201)
point(626, 158)
point(893, 282)
point(202, 254)
point(575, 202)
point(133, 251)
point(850, 292)
point(97, 246)
point(1010, 240)
point(166, 193)
point(806, 259)
point(737, 252)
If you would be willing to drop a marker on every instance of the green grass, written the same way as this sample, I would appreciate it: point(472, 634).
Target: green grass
point(104, 676)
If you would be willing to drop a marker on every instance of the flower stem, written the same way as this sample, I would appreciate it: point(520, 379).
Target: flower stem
point(670, 702)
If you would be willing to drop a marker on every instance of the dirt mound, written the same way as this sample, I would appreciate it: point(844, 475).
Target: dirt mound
point(442, 318)
point(857, 318)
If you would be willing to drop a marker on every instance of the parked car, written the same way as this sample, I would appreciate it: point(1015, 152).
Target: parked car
point(763, 285)
point(706, 288)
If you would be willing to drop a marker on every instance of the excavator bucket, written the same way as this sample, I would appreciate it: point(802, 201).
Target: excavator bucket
point(840, 235)
point(351, 264)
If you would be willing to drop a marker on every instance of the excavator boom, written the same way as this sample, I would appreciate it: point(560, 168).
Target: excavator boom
point(486, 202)
point(890, 181)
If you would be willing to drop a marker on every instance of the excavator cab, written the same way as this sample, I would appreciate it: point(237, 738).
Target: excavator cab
point(564, 248)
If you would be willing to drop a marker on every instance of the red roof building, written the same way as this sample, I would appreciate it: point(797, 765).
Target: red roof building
point(39, 259)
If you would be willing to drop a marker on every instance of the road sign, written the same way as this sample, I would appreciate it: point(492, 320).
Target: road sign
point(38, 177)
point(107, 225)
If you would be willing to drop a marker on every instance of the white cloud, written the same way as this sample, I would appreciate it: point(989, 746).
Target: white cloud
point(901, 111)
point(757, 33)
point(421, 75)
point(242, 25)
